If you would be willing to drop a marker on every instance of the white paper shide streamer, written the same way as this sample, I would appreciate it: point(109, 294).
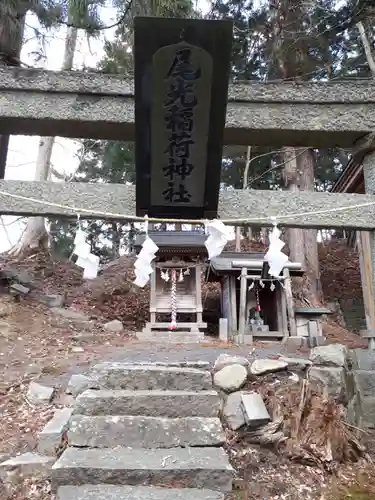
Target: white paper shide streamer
point(218, 236)
point(142, 265)
point(87, 260)
point(275, 257)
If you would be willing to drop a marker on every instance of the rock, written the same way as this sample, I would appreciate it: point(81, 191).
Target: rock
point(68, 317)
point(262, 366)
point(329, 355)
point(233, 412)
point(52, 300)
point(39, 394)
point(365, 382)
point(144, 432)
point(367, 419)
point(230, 378)
point(254, 410)
point(28, 464)
point(79, 383)
point(77, 349)
point(331, 377)
point(193, 467)
point(51, 437)
point(170, 404)
point(69, 314)
point(150, 377)
point(296, 363)
point(226, 360)
point(114, 326)
point(363, 359)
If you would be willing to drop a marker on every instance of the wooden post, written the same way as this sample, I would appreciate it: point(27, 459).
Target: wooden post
point(289, 303)
point(242, 314)
point(233, 305)
point(282, 319)
point(198, 293)
point(364, 251)
point(153, 294)
point(367, 251)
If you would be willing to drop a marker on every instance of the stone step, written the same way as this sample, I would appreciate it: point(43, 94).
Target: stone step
point(152, 377)
point(188, 467)
point(144, 432)
point(172, 404)
point(183, 337)
point(111, 492)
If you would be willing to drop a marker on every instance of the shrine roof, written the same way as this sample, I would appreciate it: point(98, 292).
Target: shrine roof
point(167, 240)
point(223, 263)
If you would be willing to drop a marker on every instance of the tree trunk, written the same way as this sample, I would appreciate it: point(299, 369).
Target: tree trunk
point(12, 26)
point(291, 177)
point(305, 165)
point(36, 236)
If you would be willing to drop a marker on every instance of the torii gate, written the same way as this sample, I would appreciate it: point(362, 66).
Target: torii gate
point(92, 105)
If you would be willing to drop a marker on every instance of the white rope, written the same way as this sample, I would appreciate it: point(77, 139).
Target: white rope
point(173, 324)
point(134, 218)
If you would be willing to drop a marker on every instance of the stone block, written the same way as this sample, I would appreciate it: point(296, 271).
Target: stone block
point(332, 377)
point(27, 464)
point(79, 383)
point(263, 366)
point(152, 377)
point(226, 359)
point(144, 432)
point(114, 326)
point(232, 412)
point(365, 382)
point(191, 467)
point(112, 492)
point(230, 378)
point(329, 355)
point(39, 394)
point(52, 300)
point(172, 404)
point(223, 329)
point(51, 437)
point(254, 410)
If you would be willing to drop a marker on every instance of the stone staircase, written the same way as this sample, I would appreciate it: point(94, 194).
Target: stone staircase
point(148, 432)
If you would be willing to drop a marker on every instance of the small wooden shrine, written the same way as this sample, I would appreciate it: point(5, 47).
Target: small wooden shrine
point(176, 294)
point(254, 303)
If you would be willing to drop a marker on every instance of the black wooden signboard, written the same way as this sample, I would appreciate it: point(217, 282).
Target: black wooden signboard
point(181, 87)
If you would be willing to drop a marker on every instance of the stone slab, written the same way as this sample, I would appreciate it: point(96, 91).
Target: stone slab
point(172, 404)
point(27, 464)
point(144, 432)
point(79, 383)
point(170, 338)
point(233, 412)
point(39, 394)
point(191, 467)
point(111, 492)
point(254, 409)
point(143, 377)
point(51, 437)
